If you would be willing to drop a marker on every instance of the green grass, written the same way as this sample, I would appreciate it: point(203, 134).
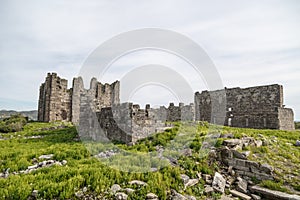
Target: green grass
point(83, 170)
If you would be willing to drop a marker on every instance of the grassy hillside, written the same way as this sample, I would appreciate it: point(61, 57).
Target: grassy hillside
point(83, 172)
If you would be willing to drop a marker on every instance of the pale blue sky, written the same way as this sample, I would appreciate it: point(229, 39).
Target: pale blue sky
point(251, 42)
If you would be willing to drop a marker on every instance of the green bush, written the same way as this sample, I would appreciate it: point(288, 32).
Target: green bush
point(13, 124)
point(297, 125)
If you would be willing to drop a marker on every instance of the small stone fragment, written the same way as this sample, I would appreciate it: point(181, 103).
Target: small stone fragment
point(35, 193)
point(240, 195)
point(208, 189)
point(151, 196)
point(46, 157)
point(115, 188)
point(121, 196)
point(137, 182)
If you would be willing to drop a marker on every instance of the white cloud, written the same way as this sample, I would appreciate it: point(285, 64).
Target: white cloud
point(251, 42)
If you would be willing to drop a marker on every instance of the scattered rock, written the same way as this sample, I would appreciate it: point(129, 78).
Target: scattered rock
point(84, 190)
point(227, 135)
point(231, 171)
point(176, 196)
point(152, 196)
point(188, 197)
point(255, 197)
point(185, 178)
point(35, 193)
point(224, 197)
point(219, 183)
point(137, 182)
point(129, 190)
point(115, 188)
point(6, 173)
point(240, 195)
point(186, 152)
point(207, 178)
point(271, 194)
point(258, 143)
point(106, 154)
point(191, 182)
point(265, 142)
point(208, 189)
point(79, 194)
point(232, 142)
point(121, 196)
point(64, 162)
point(46, 157)
point(241, 185)
point(246, 153)
point(297, 143)
point(239, 155)
point(267, 168)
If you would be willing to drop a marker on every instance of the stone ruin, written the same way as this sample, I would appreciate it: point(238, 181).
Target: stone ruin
point(254, 107)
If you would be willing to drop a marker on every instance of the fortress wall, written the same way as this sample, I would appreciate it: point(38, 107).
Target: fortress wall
point(254, 107)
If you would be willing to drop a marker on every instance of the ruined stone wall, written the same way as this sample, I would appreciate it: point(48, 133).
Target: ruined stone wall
point(286, 119)
point(56, 102)
point(54, 99)
point(254, 107)
point(129, 123)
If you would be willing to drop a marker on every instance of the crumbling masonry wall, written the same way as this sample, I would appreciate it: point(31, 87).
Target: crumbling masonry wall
point(54, 99)
point(100, 113)
point(254, 107)
point(129, 123)
point(56, 102)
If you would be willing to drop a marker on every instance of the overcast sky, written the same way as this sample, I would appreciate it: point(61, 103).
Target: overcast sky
point(250, 42)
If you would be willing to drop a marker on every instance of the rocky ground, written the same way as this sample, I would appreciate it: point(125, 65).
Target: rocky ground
point(50, 160)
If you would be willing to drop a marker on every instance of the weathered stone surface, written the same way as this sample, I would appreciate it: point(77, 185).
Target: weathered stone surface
point(224, 197)
point(241, 185)
point(121, 196)
point(185, 178)
point(137, 182)
point(35, 193)
point(129, 190)
point(240, 195)
point(191, 182)
point(152, 196)
point(239, 155)
point(115, 188)
point(219, 183)
point(266, 168)
point(255, 197)
point(177, 196)
point(232, 142)
point(258, 143)
point(207, 178)
point(47, 157)
point(253, 107)
point(271, 194)
point(208, 189)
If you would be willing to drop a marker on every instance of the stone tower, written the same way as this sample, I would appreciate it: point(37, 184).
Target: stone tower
point(54, 99)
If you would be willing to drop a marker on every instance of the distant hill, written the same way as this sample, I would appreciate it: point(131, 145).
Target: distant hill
point(32, 114)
